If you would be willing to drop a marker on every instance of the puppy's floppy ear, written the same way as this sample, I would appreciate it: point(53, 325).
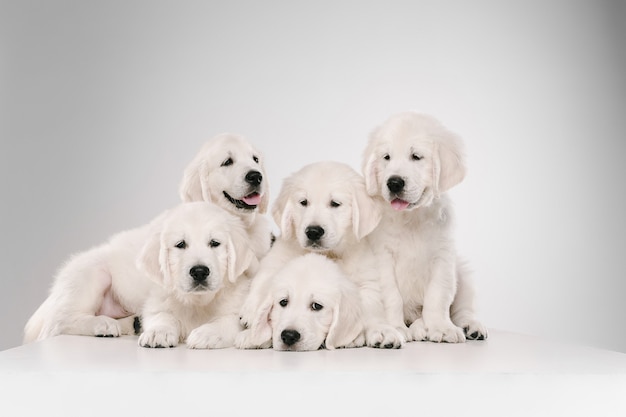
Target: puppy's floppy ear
point(448, 162)
point(286, 221)
point(265, 199)
point(240, 256)
point(152, 258)
point(283, 209)
point(366, 214)
point(194, 186)
point(369, 165)
point(346, 325)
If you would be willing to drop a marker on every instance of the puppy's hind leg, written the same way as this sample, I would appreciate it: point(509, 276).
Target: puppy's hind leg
point(82, 305)
point(462, 308)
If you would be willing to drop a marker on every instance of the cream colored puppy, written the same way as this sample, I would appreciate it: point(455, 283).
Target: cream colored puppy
point(409, 164)
point(310, 305)
point(198, 259)
point(230, 172)
point(98, 292)
point(323, 208)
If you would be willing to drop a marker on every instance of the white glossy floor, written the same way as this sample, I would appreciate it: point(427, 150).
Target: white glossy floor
point(508, 374)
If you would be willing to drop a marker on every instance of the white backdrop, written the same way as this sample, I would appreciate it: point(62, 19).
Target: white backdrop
point(102, 104)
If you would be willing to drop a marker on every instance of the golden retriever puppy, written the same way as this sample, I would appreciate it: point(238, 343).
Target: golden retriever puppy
point(310, 305)
point(230, 172)
point(198, 259)
point(324, 208)
point(409, 164)
point(98, 292)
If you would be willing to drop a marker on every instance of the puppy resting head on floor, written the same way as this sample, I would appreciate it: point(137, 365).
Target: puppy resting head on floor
point(311, 304)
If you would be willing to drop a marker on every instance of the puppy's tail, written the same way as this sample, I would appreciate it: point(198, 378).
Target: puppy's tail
point(34, 325)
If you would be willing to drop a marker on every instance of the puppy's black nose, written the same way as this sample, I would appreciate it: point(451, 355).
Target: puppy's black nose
point(289, 337)
point(199, 273)
point(254, 177)
point(314, 232)
point(395, 184)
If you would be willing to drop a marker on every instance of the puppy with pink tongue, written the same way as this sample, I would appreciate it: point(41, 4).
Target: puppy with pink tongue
point(411, 160)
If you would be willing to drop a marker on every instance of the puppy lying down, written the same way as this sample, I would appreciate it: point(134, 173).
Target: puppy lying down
point(198, 262)
point(311, 305)
point(194, 253)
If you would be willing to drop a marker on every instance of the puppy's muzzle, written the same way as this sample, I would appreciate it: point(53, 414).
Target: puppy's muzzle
point(314, 233)
point(199, 273)
point(254, 178)
point(290, 337)
point(395, 184)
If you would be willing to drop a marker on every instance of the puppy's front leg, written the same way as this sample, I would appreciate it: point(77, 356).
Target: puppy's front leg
point(161, 330)
point(437, 300)
point(217, 334)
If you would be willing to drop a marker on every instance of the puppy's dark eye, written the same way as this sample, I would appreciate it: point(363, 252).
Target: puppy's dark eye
point(304, 202)
point(181, 245)
point(316, 306)
point(227, 162)
point(214, 243)
point(416, 157)
point(334, 203)
point(255, 159)
point(283, 302)
point(386, 157)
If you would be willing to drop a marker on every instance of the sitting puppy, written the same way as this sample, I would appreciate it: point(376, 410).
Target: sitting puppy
point(229, 171)
point(409, 163)
point(197, 258)
point(310, 305)
point(98, 292)
point(324, 208)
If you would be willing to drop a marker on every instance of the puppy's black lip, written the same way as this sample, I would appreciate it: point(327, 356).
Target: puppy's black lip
point(200, 288)
point(315, 246)
point(240, 204)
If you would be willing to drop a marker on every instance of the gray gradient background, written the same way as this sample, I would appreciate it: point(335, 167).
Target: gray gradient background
point(104, 103)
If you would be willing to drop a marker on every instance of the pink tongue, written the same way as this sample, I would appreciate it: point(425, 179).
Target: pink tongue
point(398, 204)
point(252, 199)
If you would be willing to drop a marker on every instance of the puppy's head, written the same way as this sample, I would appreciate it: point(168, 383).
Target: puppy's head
point(195, 249)
point(411, 159)
point(311, 305)
point(229, 172)
point(324, 207)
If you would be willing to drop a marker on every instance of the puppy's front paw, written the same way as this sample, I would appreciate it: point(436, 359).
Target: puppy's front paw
point(104, 326)
point(246, 315)
point(474, 330)
point(384, 336)
point(210, 336)
point(244, 341)
point(159, 338)
point(356, 343)
point(417, 331)
point(448, 333)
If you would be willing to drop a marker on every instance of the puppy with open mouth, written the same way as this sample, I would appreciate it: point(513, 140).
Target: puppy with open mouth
point(230, 172)
point(323, 208)
point(409, 163)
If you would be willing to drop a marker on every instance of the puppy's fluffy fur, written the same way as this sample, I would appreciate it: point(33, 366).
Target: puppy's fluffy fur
point(310, 304)
point(409, 164)
point(197, 258)
point(98, 291)
point(324, 208)
point(230, 172)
